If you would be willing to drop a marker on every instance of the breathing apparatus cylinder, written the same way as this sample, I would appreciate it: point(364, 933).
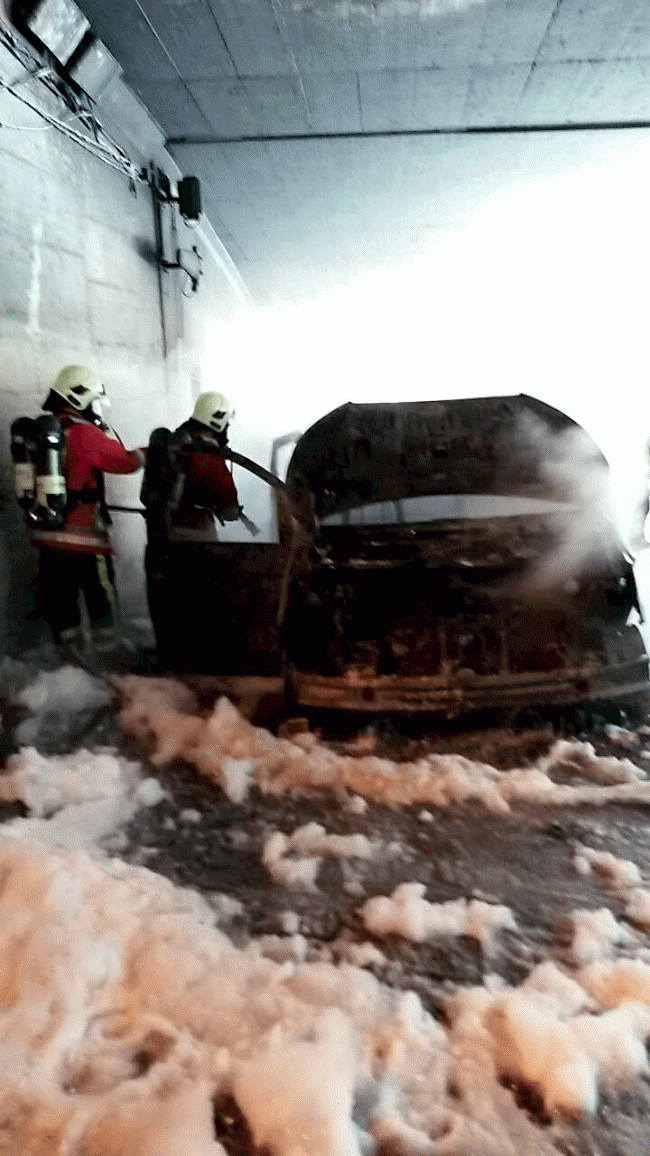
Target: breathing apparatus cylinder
point(158, 474)
point(50, 477)
point(23, 452)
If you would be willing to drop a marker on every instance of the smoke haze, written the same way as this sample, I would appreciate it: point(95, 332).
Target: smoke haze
point(585, 528)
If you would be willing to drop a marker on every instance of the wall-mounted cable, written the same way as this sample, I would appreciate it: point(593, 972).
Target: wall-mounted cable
point(100, 144)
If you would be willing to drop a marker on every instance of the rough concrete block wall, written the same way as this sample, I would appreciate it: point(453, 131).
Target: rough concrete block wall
point(80, 283)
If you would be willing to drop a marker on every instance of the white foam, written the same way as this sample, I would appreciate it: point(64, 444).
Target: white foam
point(236, 778)
point(298, 1098)
point(406, 912)
point(294, 860)
point(283, 947)
point(313, 839)
point(360, 954)
point(189, 815)
point(56, 697)
point(596, 934)
point(102, 963)
point(356, 805)
point(278, 765)
point(618, 873)
point(74, 800)
point(289, 922)
point(225, 906)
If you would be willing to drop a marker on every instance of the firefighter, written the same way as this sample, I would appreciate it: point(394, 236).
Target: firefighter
point(75, 557)
point(207, 490)
point(187, 486)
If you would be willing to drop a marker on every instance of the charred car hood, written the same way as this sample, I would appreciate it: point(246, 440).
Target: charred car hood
point(384, 452)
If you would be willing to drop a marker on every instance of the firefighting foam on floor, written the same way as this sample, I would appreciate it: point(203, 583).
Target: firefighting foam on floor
point(338, 982)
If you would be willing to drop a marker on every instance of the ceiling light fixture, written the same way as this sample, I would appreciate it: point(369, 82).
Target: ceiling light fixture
point(57, 24)
point(187, 196)
point(92, 66)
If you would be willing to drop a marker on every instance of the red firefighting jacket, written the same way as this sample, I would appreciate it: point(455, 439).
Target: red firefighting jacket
point(89, 453)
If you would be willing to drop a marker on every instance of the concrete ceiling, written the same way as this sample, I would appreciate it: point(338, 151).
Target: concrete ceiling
point(336, 136)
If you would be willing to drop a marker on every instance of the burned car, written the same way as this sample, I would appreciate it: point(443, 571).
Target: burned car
point(455, 556)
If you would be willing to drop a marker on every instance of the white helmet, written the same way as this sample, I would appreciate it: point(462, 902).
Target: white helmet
point(78, 386)
point(213, 410)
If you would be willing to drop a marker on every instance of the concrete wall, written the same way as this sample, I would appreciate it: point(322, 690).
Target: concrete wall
point(80, 283)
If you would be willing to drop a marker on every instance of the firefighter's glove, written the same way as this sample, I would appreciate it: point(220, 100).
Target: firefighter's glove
point(231, 513)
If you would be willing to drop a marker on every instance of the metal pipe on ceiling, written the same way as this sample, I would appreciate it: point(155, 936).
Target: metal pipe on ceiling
point(469, 130)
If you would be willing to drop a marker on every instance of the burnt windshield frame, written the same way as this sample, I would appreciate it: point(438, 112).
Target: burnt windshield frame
point(423, 509)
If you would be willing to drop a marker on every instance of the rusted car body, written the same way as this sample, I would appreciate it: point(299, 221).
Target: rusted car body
point(455, 556)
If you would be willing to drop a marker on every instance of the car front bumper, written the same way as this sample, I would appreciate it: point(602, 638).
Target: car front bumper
point(451, 697)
